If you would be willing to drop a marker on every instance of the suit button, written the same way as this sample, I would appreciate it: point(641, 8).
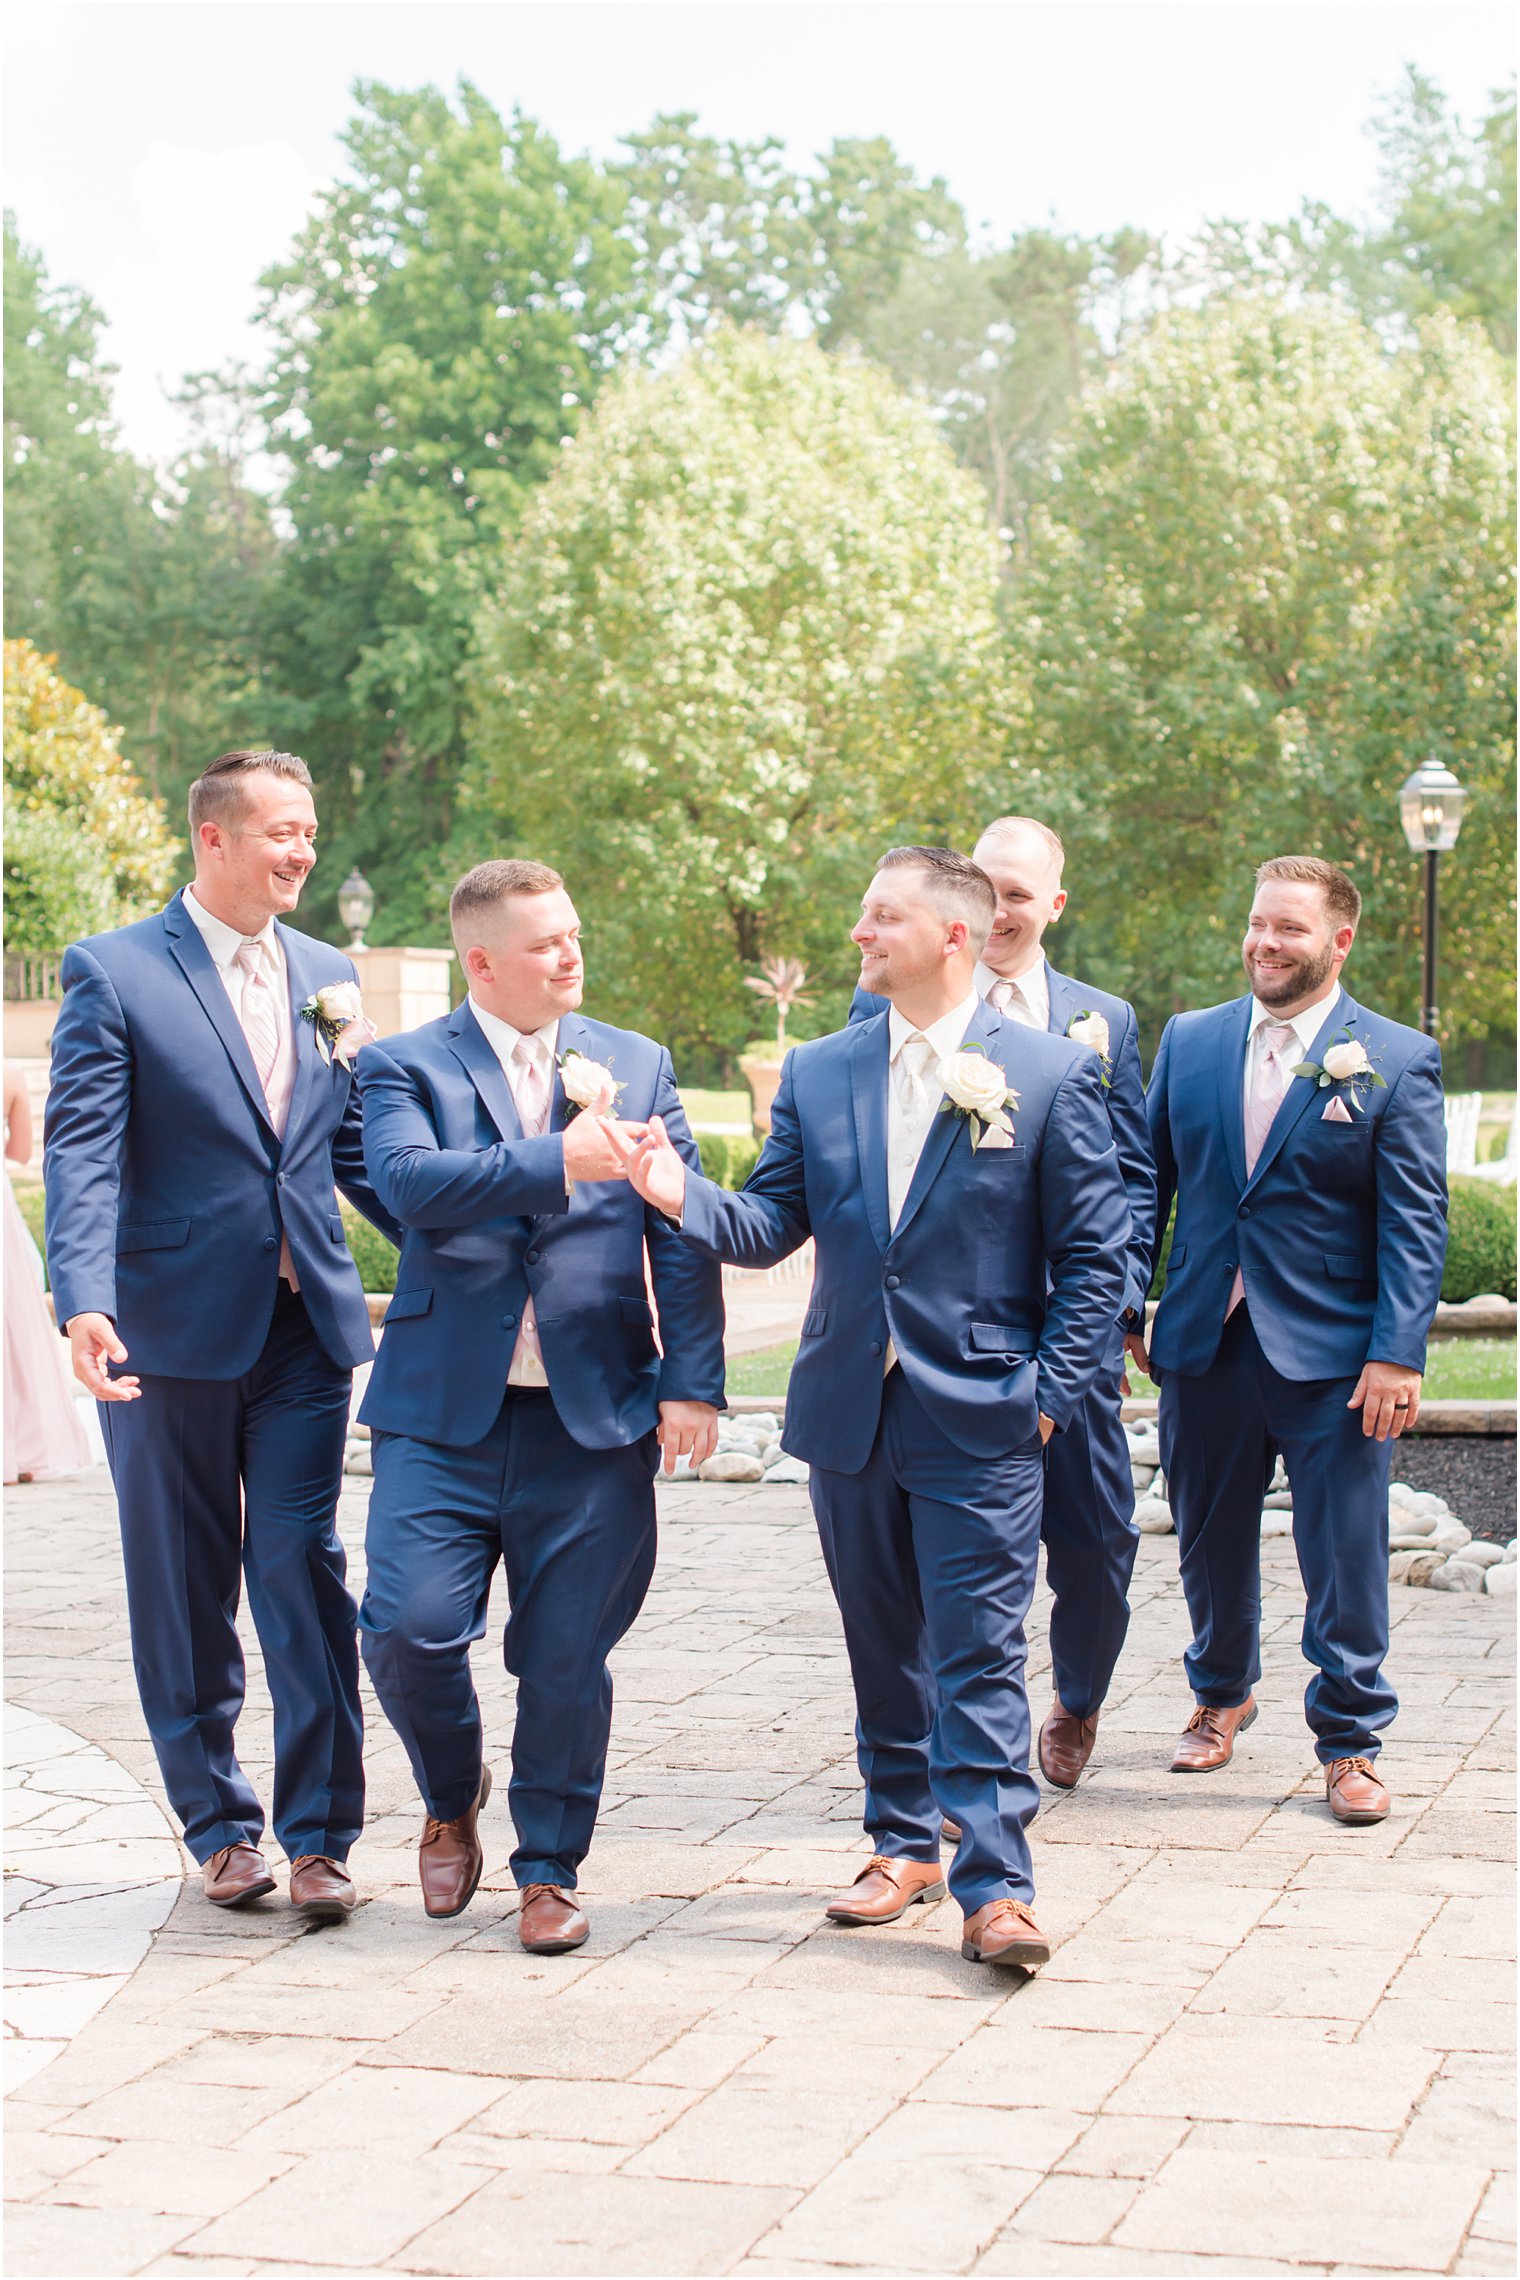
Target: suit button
point(894, 1282)
point(279, 1179)
point(509, 1322)
point(1244, 1212)
point(271, 1242)
point(876, 1345)
point(531, 1258)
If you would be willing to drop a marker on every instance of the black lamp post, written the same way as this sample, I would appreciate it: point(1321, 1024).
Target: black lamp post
point(1430, 809)
point(356, 906)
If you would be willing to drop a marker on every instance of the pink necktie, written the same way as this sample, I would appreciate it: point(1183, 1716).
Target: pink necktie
point(256, 1012)
point(530, 1091)
point(1000, 996)
point(1276, 1048)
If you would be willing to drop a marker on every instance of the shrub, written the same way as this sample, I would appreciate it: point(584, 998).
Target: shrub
point(374, 1254)
point(728, 1157)
point(1480, 1254)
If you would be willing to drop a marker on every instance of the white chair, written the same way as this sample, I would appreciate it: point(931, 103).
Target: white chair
point(1505, 1167)
point(1463, 1113)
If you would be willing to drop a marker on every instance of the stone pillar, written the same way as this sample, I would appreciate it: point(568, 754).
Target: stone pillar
point(404, 988)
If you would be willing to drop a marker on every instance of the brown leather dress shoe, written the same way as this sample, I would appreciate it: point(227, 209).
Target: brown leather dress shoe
point(549, 1922)
point(1208, 1739)
point(449, 1858)
point(322, 1889)
point(235, 1874)
point(1066, 1744)
point(1005, 1932)
point(1354, 1793)
point(950, 1831)
point(886, 1889)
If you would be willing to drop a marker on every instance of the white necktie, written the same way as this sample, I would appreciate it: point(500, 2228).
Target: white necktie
point(1275, 1048)
point(912, 1066)
point(256, 1011)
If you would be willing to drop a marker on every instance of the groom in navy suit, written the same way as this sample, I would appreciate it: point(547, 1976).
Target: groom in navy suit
point(196, 1122)
point(1303, 1139)
point(958, 1176)
point(520, 1402)
point(1089, 1514)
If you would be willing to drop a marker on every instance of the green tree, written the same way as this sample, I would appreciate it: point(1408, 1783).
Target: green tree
point(1272, 575)
point(445, 318)
point(83, 848)
point(745, 639)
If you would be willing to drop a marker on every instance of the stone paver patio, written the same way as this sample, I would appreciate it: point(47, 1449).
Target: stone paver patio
point(1264, 2043)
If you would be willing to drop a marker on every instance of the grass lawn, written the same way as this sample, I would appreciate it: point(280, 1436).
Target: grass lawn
point(1461, 1369)
point(709, 1108)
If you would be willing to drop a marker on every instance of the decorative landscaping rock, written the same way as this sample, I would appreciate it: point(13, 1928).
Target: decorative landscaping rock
point(1142, 1476)
point(1153, 1517)
point(1422, 1566)
point(1483, 1555)
point(684, 1471)
point(1451, 1536)
point(1457, 1575)
point(1277, 1500)
point(771, 1453)
point(1502, 1580)
point(787, 1472)
point(357, 1459)
point(765, 1422)
point(1144, 1445)
point(1278, 1521)
point(732, 1464)
point(1399, 1564)
point(1511, 1548)
point(1418, 1524)
point(1421, 1500)
point(1402, 1539)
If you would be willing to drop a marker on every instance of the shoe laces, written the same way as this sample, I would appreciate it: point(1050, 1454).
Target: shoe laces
point(535, 1891)
point(1202, 1718)
point(318, 1860)
point(1009, 1906)
point(1342, 1766)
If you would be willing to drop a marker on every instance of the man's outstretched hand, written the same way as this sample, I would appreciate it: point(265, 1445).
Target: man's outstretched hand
point(654, 1168)
point(94, 1345)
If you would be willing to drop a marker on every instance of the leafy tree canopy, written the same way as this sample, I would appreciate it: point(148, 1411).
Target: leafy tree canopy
point(745, 639)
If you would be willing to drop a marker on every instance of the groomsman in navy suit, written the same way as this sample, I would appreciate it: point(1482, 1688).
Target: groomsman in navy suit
point(520, 1402)
point(1089, 1516)
point(962, 1306)
point(196, 1123)
point(1303, 1139)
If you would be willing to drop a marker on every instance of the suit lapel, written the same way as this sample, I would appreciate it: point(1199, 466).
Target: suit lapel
point(1299, 1094)
point(870, 1056)
point(570, 1038)
point(188, 948)
point(472, 1050)
point(984, 1028)
point(1064, 1005)
point(1230, 1083)
point(301, 978)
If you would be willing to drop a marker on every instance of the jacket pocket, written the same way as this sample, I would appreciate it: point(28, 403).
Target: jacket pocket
point(160, 1235)
point(407, 1302)
point(1002, 1338)
point(815, 1322)
point(1175, 1256)
point(336, 1229)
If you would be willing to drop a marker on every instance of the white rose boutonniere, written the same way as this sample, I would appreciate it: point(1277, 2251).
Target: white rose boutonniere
point(587, 1083)
point(1347, 1063)
point(976, 1088)
point(1092, 1029)
point(336, 1013)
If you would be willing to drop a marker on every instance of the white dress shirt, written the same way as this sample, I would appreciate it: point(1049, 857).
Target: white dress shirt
point(911, 1111)
point(527, 1360)
point(224, 942)
point(1029, 1003)
point(1306, 1026)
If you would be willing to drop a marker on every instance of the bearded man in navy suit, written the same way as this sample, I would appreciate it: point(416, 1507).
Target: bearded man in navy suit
point(957, 1173)
point(1303, 1139)
point(1088, 1527)
point(201, 1106)
point(520, 1402)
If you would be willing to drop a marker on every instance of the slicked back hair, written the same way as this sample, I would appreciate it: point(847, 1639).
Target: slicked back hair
point(1343, 903)
point(1009, 827)
point(952, 884)
point(481, 892)
point(220, 792)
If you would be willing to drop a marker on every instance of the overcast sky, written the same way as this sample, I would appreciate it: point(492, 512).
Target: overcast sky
point(161, 152)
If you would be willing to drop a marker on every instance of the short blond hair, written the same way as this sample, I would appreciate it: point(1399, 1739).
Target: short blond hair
point(1343, 902)
point(1007, 826)
point(487, 887)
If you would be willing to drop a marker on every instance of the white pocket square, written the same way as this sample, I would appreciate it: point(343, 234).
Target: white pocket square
point(1336, 1111)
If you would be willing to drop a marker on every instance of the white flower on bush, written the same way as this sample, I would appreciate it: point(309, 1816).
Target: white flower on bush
point(1348, 1060)
point(974, 1084)
point(587, 1083)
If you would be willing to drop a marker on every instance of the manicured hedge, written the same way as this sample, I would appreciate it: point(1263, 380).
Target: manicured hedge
point(1480, 1252)
point(728, 1157)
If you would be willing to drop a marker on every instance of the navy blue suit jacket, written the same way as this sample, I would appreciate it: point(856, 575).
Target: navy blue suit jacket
point(1123, 1097)
point(1000, 1283)
point(1339, 1233)
point(167, 1186)
point(488, 1223)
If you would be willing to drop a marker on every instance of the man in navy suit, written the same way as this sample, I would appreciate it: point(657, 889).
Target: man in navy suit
point(520, 1402)
point(1303, 1139)
point(197, 1118)
point(958, 1176)
point(1089, 1514)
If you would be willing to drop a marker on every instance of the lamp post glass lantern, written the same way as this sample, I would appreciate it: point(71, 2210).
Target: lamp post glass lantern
point(356, 907)
point(1430, 809)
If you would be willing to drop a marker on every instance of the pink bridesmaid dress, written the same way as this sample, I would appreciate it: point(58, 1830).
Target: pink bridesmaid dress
point(44, 1434)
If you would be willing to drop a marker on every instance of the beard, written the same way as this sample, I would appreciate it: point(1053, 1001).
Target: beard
point(1307, 973)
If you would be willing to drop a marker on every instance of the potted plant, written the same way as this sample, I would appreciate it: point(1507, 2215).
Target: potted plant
point(782, 983)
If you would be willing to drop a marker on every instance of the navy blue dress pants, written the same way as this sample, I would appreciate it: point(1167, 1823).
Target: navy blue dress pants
point(932, 1556)
point(1090, 1545)
point(220, 1480)
point(1221, 1435)
point(574, 1529)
